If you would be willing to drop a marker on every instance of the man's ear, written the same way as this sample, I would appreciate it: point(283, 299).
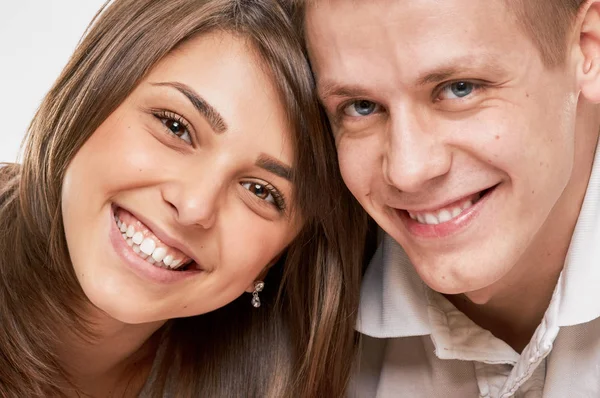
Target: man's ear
point(263, 273)
point(588, 67)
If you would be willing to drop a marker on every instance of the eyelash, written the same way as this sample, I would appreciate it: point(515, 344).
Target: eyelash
point(168, 115)
point(279, 200)
point(478, 86)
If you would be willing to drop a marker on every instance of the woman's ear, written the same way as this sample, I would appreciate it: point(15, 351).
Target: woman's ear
point(263, 273)
point(589, 45)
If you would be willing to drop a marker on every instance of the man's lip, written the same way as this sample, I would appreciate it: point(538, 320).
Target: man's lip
point(163, 236)
point(444, 204)
point(446, 230)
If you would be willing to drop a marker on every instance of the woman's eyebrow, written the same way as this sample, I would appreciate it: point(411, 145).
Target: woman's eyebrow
point(210, 113)
point(274, 166)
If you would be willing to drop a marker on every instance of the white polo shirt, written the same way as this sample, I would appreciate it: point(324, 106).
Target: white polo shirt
point(418, 345)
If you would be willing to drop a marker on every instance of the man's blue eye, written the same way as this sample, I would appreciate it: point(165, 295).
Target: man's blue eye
point(361, 108)
point(461, 89)
point(364, 107)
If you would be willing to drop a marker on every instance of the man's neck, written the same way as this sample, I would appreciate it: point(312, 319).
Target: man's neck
point(513, 307)
point(99, 364)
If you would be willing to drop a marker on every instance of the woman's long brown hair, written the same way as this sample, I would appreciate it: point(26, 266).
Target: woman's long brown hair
point(301, 342)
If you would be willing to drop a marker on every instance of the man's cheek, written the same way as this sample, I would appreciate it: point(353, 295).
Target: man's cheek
point(354, 174)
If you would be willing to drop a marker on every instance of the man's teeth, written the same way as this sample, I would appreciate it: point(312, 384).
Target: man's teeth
point(146, 247)
point(441, 216)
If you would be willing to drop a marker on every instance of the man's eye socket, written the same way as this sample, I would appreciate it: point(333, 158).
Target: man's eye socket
point(360, 108)
point(457, 90)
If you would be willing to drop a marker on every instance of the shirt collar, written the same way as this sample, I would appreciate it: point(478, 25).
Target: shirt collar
point(394, 299)
point(580, 279)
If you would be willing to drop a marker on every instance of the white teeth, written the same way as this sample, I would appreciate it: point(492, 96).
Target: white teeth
point(159, 254)
point(456, 212)
point(431, 219)
point(137, 238)
point(444, 216)
point(148, 246)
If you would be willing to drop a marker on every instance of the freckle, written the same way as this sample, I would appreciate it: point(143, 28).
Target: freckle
point(527, 95)
point(185, 306)
point(368, 194)
point(443, 277)
point(533, 192)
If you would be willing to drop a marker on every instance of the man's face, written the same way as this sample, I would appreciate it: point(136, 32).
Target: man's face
point(451, 132)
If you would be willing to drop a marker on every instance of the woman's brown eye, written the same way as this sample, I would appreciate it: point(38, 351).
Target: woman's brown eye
point(261, 191)
point(177, 128)
point(265, 192)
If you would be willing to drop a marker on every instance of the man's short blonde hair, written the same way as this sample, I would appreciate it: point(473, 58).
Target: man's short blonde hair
point(547, 22)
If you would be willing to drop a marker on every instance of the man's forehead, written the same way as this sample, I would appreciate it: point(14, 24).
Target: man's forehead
point(346, 38)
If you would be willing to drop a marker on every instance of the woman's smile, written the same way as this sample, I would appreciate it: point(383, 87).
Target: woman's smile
point(146, 259)
point(144, 242)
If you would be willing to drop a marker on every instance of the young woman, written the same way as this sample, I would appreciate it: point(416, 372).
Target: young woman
point(179, 161)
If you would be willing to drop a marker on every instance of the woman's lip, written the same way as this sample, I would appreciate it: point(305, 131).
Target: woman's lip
point(162, 236)
point(141, 267)
point(449, 228)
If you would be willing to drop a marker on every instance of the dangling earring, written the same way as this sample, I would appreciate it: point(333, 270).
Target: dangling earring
point(258, 287)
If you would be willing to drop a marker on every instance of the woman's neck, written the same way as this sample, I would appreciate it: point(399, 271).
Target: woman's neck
point(115, 360)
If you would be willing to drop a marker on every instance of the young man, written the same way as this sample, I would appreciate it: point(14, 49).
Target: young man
point(468, 130)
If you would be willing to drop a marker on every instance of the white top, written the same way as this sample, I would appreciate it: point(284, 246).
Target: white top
point(418, 345)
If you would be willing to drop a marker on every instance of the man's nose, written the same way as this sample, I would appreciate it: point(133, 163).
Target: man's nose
point(415, 155)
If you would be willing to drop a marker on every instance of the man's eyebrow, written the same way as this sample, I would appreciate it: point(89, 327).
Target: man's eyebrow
point(212, 116)
point(330, 88)
point(461, 67)
point(274, 166)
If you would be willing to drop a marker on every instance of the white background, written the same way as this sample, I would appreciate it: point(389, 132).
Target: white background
point(37, 38)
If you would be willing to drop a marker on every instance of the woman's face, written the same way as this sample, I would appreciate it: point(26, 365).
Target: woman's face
point(180, 200)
